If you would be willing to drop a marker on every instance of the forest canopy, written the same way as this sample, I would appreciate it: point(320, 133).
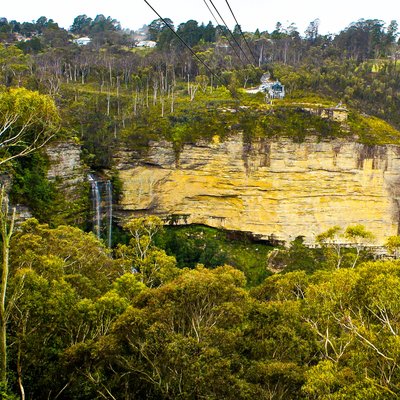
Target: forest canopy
point(83, 325)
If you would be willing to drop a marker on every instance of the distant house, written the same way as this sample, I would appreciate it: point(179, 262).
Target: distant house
point(83, 41)
point(274, 90)
point(146, 43)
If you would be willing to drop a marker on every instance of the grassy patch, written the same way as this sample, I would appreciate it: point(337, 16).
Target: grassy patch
point(372, 130)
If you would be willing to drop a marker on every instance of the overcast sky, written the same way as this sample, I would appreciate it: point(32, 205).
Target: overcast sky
point(334, 15)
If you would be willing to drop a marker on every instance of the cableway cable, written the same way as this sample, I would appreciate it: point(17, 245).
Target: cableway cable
point(241, 32)
point(185, 44)
point(226, 37)
point(233, 37)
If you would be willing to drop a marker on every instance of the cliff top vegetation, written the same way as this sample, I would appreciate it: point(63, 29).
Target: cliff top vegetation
point(111, 92)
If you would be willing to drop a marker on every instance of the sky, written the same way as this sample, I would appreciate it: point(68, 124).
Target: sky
point(334, 15)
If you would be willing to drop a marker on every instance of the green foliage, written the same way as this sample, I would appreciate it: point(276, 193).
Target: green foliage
point(299, 123)
point(179, 339)
point(333, 244)
point(152, 265)
point(6, 394)
point(189, 123)
point(358, 233)
point(80, 255)
point(393, 245)
point(338, 307)
point(372, 130)
point(12, 64)
point(31, 186)
point(283, 287)
point(322, 380)
point(360, 85)
point(168, 333)
point(85, 114)
point(297, 257)
point(61, 288)
point(28, 120)
point(128, 286)
point(192, 245)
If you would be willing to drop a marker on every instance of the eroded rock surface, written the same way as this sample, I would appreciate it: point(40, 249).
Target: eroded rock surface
point(267, 187)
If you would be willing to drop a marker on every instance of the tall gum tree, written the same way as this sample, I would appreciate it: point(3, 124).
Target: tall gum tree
point(6, 231)
point(28, 120)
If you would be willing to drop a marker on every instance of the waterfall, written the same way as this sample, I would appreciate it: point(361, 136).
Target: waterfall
point(102, 202)
point(109, 203)
point(96, 205)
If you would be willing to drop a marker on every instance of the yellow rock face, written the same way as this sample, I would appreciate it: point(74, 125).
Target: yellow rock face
point(272, 187)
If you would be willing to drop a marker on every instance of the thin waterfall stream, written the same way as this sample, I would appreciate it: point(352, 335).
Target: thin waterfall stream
point(102, 204)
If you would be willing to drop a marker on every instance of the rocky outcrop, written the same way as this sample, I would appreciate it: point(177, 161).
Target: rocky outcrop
point(69, 174)
point(22, 212)
point(66, 167)
point(270, 187)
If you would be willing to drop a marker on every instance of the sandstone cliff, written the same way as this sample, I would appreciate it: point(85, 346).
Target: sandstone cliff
point(70, 175)
point(270, 187)
point(66, 167)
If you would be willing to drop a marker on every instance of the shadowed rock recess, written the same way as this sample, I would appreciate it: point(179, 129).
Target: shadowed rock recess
point(270, 187)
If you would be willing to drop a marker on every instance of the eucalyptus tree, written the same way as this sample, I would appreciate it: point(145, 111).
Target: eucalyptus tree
point(13, 64)
point(6, 231)
point(28, 120)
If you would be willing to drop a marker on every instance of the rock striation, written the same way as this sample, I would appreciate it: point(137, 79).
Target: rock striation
point(273, 188)
point(66, 167)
